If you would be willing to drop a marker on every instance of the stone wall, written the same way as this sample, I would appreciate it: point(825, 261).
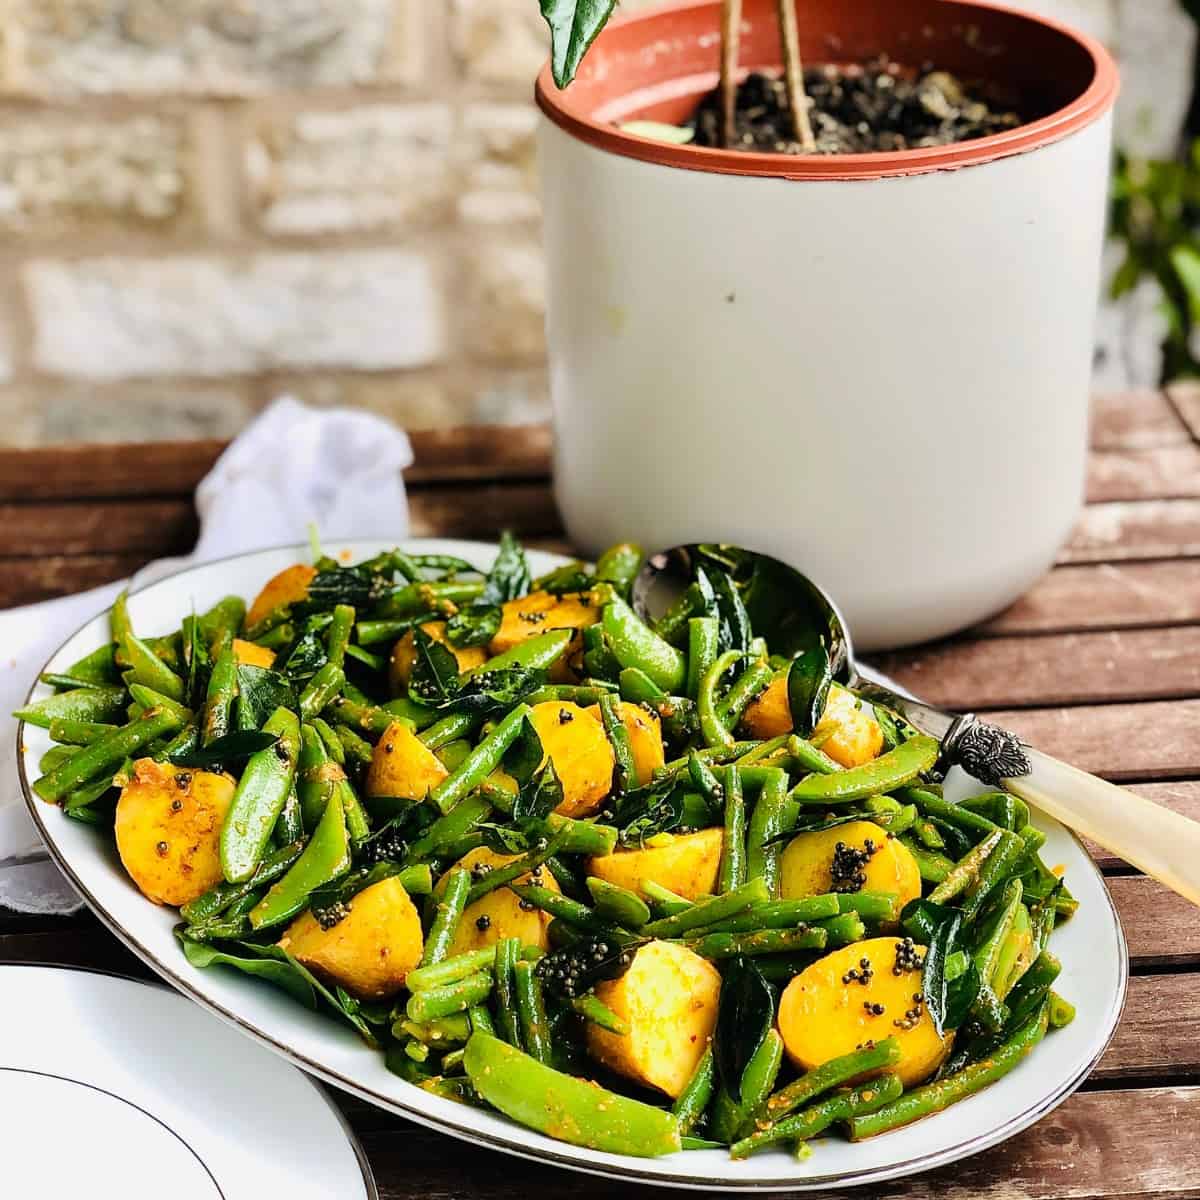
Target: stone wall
point(204, 203)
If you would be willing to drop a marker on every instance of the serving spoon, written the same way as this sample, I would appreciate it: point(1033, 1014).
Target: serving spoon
point(1159, 842)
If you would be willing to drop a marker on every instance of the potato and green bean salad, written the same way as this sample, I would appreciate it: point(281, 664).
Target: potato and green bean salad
point(642, 885)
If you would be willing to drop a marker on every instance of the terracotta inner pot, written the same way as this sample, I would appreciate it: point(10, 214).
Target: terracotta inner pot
point(656, 65)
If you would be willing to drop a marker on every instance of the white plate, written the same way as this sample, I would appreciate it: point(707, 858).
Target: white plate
point(1091, 947)
point(117, 1087)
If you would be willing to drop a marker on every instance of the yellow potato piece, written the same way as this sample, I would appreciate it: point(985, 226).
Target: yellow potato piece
point(845, 732)
point(168, 827)
point(403, 766)
point(369, 951)
point(502, 908)
point(669, 999)
point(575, 741)
point(290, 586)
point(806, 867)
point(404, 654)
point(686, 864)
point(251, 655)
point(822, 1017)
point(645, 738)
point(540, 612)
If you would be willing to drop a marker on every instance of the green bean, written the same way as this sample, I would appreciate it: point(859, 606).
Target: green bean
point(992, 874)
point(593, 1009)
point(933, 805)
point(79, 733)
point(448, 914)
point(87, 794)
point(338, 637)
point(966, 870)
point(638, 688)
point(105, 755)
point(220, 697)
point(321, 689)
point(871, 906)
point(635, 644)
point(712, 728)
point(120, 626)
point(429, 597)
point(538, 653)
point(732, 872)
point(854, 1104)
point(439, 1033)
point(450, 970)
point(148, 698)
point(354, 748)
point(761, 941)
point(55, 757)
point(1015, 956)
point(934, 868)
point(624, 771)
point(565, 909)
point(926, 832)
point(67, 683)
point(933, 1097)
point(1061, 1011)
point(811, 758)
point(480, 1018)
point(742, 693)
point(317, 776)
point(843, 929)
point(987, 957)
point(710, 787)
point(709, 912)
point(449, 729)
point(368, 718)
point(371, 633)
point(703, 648)
point(508, 1023)
point(531, 1009)
point(333, 745)
point(146, 668)
point(528, 862)
point(277, 638)
point(883, 774)
point(449, 998)
point(277, 616)
point(713, 755)
point(766, 824)
point(221, 623)
point(217, 899)
point(692, 1102)
point(480, 763)
point(762, 1070)
point(572, 1110)
point(260, 795)
point(100, 705)
point(779, 914)
point(617, 904)
point(569, 693)
point(879, 1056)
point(663, 900)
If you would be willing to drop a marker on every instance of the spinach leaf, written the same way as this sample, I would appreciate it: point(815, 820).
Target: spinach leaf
point(474, 626)
point(539, 797)
point(260, 692)
point(509, 576)
point(233, 747)
point(574, 25)
point(434, 677)
point(744, 1017)
point(523, 758)
point(808, 683)
point(734, 630)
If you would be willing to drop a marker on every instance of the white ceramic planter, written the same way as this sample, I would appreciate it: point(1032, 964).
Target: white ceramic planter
point(878, 371)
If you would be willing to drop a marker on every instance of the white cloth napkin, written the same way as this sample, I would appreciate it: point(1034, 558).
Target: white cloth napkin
point(293, 467)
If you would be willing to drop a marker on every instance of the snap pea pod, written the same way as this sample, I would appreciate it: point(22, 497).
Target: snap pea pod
point(732, 873)
point(220, 697)
point(572, 912)
point(260, 795)
point(716, 946)
point(56, 756)
point(811, 758)
point(522, 865)
point(743, 691)
point(966, 870)
point(992, 874)
point(638, 688)
point(617, 904)
point(325, 858)
point(572, 1110)
point(290, 824)
point(149, 698)
point(852, 1104)
point(691, 1103)
point(598, 658)
point(933, 1097)
point(934, 868)
point(635, 644)
point(531, 1010)
point(593, 1009)
point(317, 776)
point(450, 728)
point(100, 705)
point(508, 1022)
point(1061, 1012)
point(883, 774)
point(98, 667)
point(448, 913)
point(703, 648)
point(217, 899)
point(449, 998)
point(452, 753)
point(663, 899)
point(712, 728)
point(320, 690)
point(871, 906)
point(988, 1008)
point(709, 912)
point(481, 1019)
point(104, 756)
point(619, 565)
point(79, 733)
point(146, 668)
point(538, 653)
point(869, 1060)
point(624, 771)
point(480, 763)
point(763, 850)
point(67, 683)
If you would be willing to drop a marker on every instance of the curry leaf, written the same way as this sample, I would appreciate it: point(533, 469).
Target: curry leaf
point(358, 587)
point(808, 683)
point(656, 808)
point(434, 677)
point(939, 928)
point(260, 692)
point(540, 796)
point(509, 576)
point(575, 969)
point(524, 756)
point(568, 578)
point(574, 25)
point(199, 662)
point(474, 626)
point(494, 691)
point(744, 1017)
point(232, 747)
point(734, 631)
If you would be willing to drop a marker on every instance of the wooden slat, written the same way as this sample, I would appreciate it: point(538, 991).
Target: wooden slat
point(1157, 473)
point(1156, 1038)
point(1107, 596)
point(1162, 929)
point(25, 580)
point(1097, 1146)
point(1185, 398)
point(1128, 530)
point(1135, 421)
point(1137, 664)
point(1148, 742)
point(152, 527)
point(483, 510)
point(1181, 795)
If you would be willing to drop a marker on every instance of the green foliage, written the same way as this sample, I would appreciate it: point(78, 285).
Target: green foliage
point(574, 25)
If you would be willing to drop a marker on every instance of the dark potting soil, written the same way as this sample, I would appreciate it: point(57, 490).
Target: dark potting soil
point(856, 109)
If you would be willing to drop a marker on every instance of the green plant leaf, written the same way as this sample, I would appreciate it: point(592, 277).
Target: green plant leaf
point(509, 576)
point(808, 682)
point(232, 747)
point(260, 692)
point(1186, 261)
point(540, 796)
point(744, 1017)
point(434, 678)
point(574, 25)
point(474, 626)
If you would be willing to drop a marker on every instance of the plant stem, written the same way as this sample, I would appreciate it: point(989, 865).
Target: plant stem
point(793, 70)
point(731, 35)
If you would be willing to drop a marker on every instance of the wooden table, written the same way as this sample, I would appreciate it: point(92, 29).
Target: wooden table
point(1098, 664)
